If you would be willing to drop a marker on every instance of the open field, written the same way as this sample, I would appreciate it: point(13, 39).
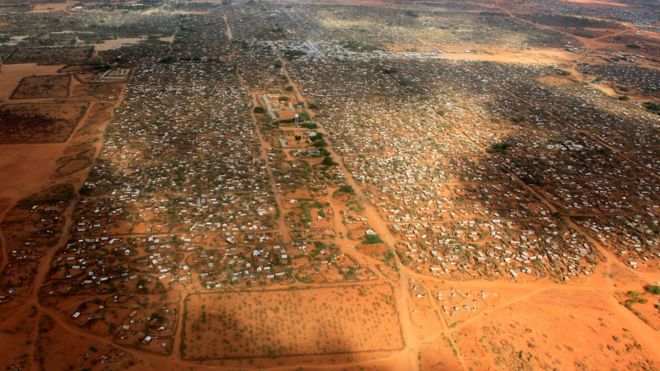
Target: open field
point(268, 324)
point(55, 86)
point(12, 74)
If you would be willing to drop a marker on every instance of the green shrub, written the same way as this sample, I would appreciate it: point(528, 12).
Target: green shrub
point(528, 179)
point(328, 161)
point(309, 125)
point(372, 239)
point(653, 289)
point(344, 189)
point(499, 147)
point(304, 116)
point(85, 190)
point(652, 107)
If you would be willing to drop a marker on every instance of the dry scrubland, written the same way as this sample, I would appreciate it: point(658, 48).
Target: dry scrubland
point(291, 323)
point(56, 86)
point(556, 329)
point(39, 122)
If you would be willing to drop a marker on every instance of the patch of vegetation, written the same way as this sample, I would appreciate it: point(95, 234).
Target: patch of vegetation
point(259, 109)
point(347, 189)
point(328, 161)
point(389, 255)
point(349, 275)
point(320, 143)
point(652, 107)
point(304, 116)
point(372, 239)
point(410, 13)
point(85, 190)
point(653, 289)
point(292, 54)
point(634, 297)
point(499, 147)
point(309, 125)
point(168, 59)
point(528, 179)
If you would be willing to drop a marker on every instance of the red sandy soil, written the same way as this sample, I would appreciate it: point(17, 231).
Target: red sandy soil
point(20, 160)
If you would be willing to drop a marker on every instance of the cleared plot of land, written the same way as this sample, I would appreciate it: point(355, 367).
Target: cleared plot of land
point(39, 122)
point(102, 91)
point(55, 86)
point(558, 330)
point(12, 74)
point(291, 322)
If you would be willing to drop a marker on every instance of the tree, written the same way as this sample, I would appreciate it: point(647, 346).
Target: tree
point(328, 161)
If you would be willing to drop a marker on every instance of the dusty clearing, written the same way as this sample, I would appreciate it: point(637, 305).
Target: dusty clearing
point(20, 160)
point(539, 332)
point(118, 43)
